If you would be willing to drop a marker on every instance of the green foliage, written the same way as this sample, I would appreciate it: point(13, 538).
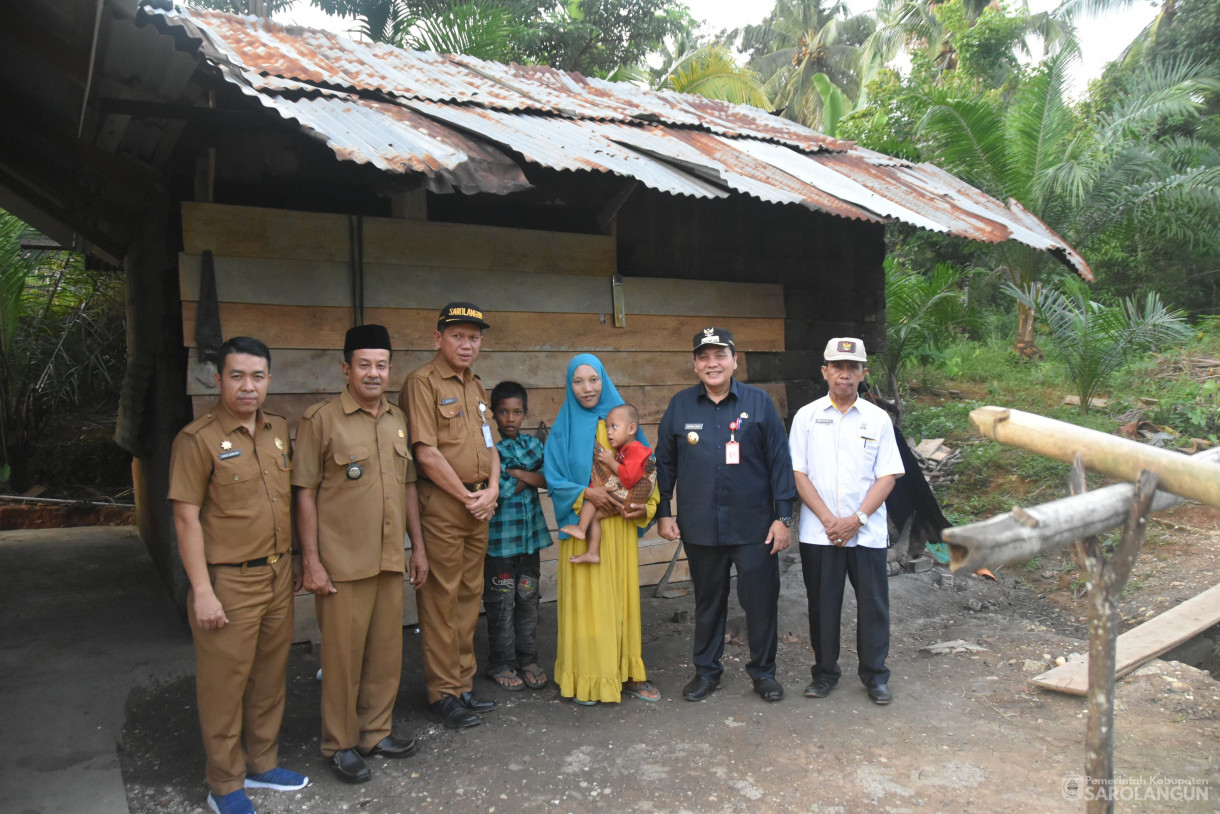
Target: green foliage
point(1094, 340)
point(62, 348)
point(594, 37)
point(713, 72)
point(477, 28)
point(922, 314)
point(806, 52)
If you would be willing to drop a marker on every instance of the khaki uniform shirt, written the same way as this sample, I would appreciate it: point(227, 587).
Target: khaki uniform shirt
point(361, 520)
point(240, 482)
point(444, 409)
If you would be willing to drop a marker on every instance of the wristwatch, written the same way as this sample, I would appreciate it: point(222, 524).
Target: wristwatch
point(863, 518)
point(787, 520)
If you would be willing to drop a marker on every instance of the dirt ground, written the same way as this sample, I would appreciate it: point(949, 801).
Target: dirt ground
point(966, 732)
point(22, 515)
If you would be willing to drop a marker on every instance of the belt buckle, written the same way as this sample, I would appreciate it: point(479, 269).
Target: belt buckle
point(273, 559)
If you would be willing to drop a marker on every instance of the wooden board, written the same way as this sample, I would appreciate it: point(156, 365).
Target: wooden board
point(544, 405)
point(320, 371)
point(241, 231)
point(316, 282)
point(291, 326)
point(1143, 643)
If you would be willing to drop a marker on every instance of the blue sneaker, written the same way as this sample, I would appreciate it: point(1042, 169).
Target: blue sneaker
point(278, 779)
point(235, 802)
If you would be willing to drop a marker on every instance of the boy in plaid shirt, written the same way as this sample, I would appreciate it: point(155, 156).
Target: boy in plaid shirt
point(516, 534)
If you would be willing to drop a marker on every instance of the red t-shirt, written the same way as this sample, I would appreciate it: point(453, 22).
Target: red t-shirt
point(631, 459)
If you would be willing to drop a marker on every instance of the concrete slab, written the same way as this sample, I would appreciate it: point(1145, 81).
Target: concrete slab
point(83, 619)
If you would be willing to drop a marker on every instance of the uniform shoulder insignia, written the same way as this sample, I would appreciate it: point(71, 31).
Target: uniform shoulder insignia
point(271, 414)
point(198, 424)
point(312, 409)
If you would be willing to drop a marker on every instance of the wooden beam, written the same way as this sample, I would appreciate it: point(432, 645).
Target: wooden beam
point(327, 283)
point(1141, 644)
point(279, 234)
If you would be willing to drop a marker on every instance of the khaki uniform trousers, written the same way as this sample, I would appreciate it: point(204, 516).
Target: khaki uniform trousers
point(361, 660)
point(449, 600)
point(239, 671)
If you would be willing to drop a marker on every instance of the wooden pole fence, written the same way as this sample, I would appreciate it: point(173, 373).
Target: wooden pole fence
point(1076, 521)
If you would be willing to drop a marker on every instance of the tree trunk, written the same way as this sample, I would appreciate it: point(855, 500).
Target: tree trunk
point(1026, 344)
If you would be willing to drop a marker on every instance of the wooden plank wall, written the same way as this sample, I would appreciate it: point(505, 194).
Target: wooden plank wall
point(286, 278)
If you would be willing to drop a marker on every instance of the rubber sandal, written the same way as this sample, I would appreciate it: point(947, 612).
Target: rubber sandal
point(502, 676)
point(643, 690)
point(585, 703)
point(534, 676)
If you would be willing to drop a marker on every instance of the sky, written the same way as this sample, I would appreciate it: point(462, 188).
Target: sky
point(1102, 38)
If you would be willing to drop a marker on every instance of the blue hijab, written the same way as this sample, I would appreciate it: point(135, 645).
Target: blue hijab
point(568, 461)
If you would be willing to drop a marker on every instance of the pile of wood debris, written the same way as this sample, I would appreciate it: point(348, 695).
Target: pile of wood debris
point(936, 460)
point(1198, 368)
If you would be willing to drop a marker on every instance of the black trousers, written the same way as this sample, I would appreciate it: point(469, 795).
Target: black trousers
point(758, 593)
point(510, 597)
point(824, 567)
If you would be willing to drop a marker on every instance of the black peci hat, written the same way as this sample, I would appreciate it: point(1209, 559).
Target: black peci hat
point(366, 336)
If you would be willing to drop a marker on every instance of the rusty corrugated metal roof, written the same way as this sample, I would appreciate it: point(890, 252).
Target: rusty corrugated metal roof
point(458, 122)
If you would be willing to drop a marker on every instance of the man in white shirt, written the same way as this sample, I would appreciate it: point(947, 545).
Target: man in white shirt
point(846, 461)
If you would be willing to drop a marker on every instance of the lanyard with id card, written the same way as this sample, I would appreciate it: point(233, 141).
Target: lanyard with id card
point(486, 429)
point(732, 450)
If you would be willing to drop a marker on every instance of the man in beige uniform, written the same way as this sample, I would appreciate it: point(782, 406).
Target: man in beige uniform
point(455, 443)
point(229, 484)
point(355, 493)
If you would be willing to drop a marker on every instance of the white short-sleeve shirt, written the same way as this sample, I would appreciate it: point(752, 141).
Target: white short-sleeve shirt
point(844, 454)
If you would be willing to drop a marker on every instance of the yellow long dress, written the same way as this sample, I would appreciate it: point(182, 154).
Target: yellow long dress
point(599, 644)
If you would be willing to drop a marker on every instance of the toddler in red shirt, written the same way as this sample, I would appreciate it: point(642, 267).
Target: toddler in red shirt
point(627, 470)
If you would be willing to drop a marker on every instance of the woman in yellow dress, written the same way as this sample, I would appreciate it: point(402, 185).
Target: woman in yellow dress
point(599, 654)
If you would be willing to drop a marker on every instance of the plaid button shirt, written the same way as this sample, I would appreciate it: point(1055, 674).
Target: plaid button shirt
point(518, 526)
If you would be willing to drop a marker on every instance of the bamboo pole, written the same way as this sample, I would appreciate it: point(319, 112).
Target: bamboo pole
point(1118, 457)
point(1024, 533)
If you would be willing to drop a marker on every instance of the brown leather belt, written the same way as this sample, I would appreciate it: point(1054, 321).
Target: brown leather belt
point(475, 487)
point(271, 560)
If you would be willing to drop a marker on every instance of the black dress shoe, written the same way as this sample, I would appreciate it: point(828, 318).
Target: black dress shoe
point(475, 704)
point(879, 695)
point(700, 687)
point(394, 747)
point(769, 690)
point(450, 712)
point(349, 767)
point(819, 688)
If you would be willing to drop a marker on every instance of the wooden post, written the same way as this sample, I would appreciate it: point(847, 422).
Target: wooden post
point(1105, 583)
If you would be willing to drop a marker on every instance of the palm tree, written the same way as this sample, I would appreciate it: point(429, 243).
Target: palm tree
point(1083, 178)
point(711, 71)
point(922, 313)
point(1094, 339)
point(486, 29)
point(806, 51)
point(935, 29)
